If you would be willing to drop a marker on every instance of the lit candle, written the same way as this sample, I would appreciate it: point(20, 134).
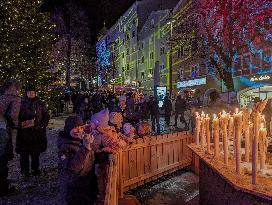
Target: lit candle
point(257, 120)
point(230, 126)
point(237, 137)
point(263, 143)
point(203, 130)
point(246, 129)
point(198, 125)
point(208, 135)
point(224, 120)
point(216, 135)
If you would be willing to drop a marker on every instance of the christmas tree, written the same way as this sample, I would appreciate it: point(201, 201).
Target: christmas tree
point(26, 45)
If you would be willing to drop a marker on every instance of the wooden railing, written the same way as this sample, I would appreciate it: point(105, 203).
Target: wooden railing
point(111, 197)
point(147, 160)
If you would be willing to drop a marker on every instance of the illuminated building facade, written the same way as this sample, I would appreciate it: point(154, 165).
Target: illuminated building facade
point(123, 41)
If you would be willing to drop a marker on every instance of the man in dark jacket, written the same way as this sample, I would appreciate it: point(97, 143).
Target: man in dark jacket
point(167, 106)
point(31, 138)
point(180, 108)
point(154, 112)
point(9, 111)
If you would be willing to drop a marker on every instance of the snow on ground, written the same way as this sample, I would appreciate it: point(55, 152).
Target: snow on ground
point(43, 190)
point(40, 190)
point(180, 188)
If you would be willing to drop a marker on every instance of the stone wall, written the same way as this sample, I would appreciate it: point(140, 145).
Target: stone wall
point(215, 190)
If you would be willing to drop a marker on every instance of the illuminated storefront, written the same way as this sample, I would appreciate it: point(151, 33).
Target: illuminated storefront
point(253, 86)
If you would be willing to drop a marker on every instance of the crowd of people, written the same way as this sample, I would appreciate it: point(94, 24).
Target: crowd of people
point(102, 125)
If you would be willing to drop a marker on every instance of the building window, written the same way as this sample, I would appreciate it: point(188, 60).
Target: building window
point(142, 59)
point(133, 34)
point(162, 67)
point(181, 74)
point(142, 75)
point(123, 69)
point(127, 37)
point(123, 55)
point(127, 51)
point(151, 55)
point(123, 41)
point(162, 51)
point(128, 66)
point(246, 62)
point(180, 52)
point(195, 71)
point(134, 21)
point(266, 61)
point(152, 23)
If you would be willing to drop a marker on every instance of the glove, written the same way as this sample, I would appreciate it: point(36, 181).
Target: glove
point(87, 141)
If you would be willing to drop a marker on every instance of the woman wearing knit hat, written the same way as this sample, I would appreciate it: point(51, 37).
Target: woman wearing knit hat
point(76, 164)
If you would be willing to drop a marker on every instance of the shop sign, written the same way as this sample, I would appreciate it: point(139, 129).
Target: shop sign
point(260, 78)
point(161, 93)
point(190, 83)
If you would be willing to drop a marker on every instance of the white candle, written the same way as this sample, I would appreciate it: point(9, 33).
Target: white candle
point(246, 128)
point(208, 135)
point(224, 120)
point(230, 126)
point(263, 143)
point(257, 120)
point(247, 141)
point(198, 125)
point(237, 136)
point(203, 130)
point(216, 135)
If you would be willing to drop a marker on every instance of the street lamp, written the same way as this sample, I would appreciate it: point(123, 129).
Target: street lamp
point(170, 22)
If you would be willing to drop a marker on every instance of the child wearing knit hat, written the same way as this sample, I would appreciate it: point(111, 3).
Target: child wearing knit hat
point(76, 163)
point(116, 120)
point(106, 142)
point(143, 129)
point(130, 133)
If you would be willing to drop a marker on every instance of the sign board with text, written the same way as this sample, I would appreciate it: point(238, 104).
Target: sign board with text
point(193, 82)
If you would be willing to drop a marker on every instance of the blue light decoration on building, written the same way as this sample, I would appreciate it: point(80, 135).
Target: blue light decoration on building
point(103, 55)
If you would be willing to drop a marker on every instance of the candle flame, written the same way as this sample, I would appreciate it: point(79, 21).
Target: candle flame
point(207, 115)
point(262, 125)
point(214, 116)
point(224, 112)
point(236, 110)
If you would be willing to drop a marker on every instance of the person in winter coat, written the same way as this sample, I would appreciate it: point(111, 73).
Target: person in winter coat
point(85, 109)
point(167, 106)
point(116, 120)
point(9, 112)
point(180, 108)
point(143, 129)
point(154, 113)
point(79, 100)
point(31, 138)
point(130, 132)
point(106, 143)
point(76, 164)
point(121, 107)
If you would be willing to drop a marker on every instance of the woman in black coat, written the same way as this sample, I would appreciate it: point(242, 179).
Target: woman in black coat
point(31, 137)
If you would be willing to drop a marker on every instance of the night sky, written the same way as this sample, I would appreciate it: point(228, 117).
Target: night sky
point(98, 11)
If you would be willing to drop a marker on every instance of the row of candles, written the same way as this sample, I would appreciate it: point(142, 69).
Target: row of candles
point(234, 126)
